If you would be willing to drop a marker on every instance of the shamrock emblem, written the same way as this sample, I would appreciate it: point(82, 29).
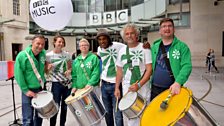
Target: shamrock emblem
point(176, 54)
point(89, 107)
point(89, 65)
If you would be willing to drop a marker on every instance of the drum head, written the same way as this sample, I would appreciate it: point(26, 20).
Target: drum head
point(153, 115)
point(127, 100)
point(78, 94)
point(42, 99)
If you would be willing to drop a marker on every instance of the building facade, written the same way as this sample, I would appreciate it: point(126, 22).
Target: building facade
point(199, 23)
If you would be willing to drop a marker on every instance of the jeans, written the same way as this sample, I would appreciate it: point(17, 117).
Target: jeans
point(60, 93)
point(155, 90)
point(30, 115)
point(109, 101)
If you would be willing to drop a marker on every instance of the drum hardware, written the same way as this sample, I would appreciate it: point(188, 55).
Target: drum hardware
point(164, 103)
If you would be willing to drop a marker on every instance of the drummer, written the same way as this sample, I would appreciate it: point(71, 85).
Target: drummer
point(59, 61)
point(85, 68)
point(27, 78)
point(136, 70)
point(178, 58)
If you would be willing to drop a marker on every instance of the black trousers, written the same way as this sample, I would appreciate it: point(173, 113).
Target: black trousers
point(155, 90)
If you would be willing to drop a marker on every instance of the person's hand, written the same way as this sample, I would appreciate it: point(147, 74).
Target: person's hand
point(49, 67)
point(31, 94)
point(146, 45)
point(73, 91)
point(88, 86)
point(133, 87)
point(67, 73)
point(175, 88)
point(117, 93)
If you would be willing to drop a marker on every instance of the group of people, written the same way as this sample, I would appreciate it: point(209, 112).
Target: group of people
point(125, 67)
point(210, 60)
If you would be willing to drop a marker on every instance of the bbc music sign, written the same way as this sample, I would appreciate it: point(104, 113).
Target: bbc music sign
point(112, 17)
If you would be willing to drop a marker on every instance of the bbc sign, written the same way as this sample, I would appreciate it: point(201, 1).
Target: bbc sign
point(112, 17)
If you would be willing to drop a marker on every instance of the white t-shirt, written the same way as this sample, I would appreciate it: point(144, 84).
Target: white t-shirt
point(59, 61)
point(109, 57)
point(139, 57)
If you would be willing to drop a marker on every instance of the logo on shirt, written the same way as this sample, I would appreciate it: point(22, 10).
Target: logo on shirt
point(176, 54)
point(89, 65)
point(42, 60)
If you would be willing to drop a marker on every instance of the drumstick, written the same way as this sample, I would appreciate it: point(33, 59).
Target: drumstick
point(164, 103)
point(116, 103)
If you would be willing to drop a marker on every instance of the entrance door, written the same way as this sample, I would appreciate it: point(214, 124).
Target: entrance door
point(16, 48)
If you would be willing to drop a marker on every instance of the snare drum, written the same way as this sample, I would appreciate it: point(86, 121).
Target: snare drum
point(45, 104)
point(86, 107)
point(132, 105)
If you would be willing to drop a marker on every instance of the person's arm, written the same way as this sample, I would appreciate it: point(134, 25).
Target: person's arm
point(186, 68)
point(95, 74)
point(19, 75)
point(148, 72)
point(119, 77)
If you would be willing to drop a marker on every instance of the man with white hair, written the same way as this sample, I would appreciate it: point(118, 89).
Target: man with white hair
point(133, 66)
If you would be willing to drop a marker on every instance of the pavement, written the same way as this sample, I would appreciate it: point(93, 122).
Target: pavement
point(208, 88)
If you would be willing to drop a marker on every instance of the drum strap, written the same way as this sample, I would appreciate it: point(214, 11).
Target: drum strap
point(35, 70)
point(167, 61)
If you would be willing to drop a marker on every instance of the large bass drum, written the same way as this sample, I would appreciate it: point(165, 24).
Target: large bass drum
point(182, 110)
point(86, 107)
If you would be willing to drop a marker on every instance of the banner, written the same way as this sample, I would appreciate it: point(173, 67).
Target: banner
point(6, 69)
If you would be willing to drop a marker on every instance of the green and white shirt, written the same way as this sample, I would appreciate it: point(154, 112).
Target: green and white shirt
point(139, 58)
point(109, 57)
point(59, 61)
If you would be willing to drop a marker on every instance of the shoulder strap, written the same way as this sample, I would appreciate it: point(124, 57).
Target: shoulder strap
point(84, 69)
point(35, 70)
point(167, 61)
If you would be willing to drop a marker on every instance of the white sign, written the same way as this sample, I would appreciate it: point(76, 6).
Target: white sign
point(95, 19)
point(52, 15)
point(109, 17)
point(112, 17)
point(122, 16)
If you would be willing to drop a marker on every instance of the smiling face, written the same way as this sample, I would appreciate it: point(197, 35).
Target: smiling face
point(167, 29)
point(59, 43)
point(103, 41)
point(84, 46)
point(130, 36)
point(38, 45)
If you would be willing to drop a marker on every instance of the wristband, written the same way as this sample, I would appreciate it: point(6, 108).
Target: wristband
point(139, 85)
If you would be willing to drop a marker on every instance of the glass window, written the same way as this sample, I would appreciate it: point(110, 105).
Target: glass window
point(16, 7)
point(184, 19)
point(178, 1)
point(79, 5)
point(96, 5)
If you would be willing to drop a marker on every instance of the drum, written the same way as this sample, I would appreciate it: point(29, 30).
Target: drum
point(86, 107)
point(45, 104)
point(182, 110)
point(132, 105)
